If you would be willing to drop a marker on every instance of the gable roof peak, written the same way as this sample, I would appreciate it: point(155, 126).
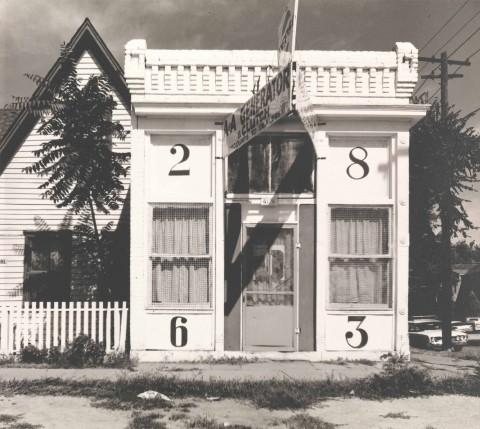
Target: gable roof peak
point(85, 39)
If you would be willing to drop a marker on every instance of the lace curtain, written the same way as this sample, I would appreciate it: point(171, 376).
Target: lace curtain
point(180, 255)
point(269, 265)
point(357, 232)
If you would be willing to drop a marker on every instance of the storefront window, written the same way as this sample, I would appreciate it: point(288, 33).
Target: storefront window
point(272, 164)
point(360, 257)
point(180, 255)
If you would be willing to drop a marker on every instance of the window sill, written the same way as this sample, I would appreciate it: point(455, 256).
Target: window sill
point(178, 309)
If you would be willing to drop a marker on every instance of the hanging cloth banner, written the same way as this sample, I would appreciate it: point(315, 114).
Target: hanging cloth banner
point(271, 103)
point(303, 105)
point(286, 33)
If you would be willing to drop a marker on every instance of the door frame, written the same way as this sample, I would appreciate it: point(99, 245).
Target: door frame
point(294, 227)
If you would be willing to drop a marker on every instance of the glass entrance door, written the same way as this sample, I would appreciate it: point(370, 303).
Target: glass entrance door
point(268, 288)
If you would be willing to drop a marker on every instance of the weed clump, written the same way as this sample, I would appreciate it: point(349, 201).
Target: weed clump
point(83, 351)
point(397, 380)
point(305, 421)
point(120, 360)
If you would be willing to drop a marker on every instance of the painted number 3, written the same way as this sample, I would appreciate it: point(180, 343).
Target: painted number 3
point(176, 170)
point(363, 334)
point(356, 174)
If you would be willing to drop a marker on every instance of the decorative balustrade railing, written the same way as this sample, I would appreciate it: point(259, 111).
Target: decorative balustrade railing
point(327, 73)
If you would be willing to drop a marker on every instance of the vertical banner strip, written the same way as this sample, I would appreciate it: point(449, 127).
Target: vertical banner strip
point(287, 31)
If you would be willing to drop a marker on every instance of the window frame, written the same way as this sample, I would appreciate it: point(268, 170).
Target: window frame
point(270, 179)
point(65, 239)
point(373, 257)
point(151, 256)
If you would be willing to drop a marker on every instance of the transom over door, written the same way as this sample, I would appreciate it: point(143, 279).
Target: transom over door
point(269, 292)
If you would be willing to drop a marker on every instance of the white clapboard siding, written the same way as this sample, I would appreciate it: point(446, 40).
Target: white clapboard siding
point(23, 209)
point(46, 325)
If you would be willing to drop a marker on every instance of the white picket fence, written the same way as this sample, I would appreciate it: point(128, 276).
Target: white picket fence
point(56, 324)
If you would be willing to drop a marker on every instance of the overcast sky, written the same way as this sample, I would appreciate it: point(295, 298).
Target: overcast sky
point(31, 32)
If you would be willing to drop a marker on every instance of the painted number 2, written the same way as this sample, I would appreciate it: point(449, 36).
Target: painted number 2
point(176, 170)
point(175, 330)
point(363, 334)
point(360, 162)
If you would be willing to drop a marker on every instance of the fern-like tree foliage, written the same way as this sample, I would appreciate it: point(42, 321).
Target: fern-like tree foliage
point(81, 169)
point(444, 163)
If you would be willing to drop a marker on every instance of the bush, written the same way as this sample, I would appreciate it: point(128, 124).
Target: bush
point(84, 352)
point(54, 356)
point(32, 354)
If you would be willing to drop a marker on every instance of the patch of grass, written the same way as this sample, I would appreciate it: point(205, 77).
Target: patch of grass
point(343, 362)
point(23, 425)
point(187, 405)
point(338, 361)
point(365, 362)
point(229, 360)
point(13, 423)
point(178, 416)
point(305, 421)
point(205, 422)
point(181, 369)
point(9, 418)
point(146, 421)
point(401, 415)
point(466, 355)
point(120, 360)
point(395, 382)
point(112, 404)
point(6, 360)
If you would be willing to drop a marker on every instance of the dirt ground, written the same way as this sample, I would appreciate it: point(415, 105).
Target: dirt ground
point(438, 412)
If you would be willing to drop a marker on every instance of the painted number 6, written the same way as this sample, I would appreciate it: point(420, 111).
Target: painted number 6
point(363, 334)
point(174, 330)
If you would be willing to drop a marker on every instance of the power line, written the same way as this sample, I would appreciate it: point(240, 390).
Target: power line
point(473, 34)
point(444, 25)
point(449, 40)
point(458, 68)
point(437, 67)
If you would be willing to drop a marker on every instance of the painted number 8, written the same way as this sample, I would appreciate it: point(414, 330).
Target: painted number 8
point(360, 162)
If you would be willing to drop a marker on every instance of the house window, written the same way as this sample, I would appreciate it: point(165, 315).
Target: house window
point(272, 164)
point(360, 257)
point(47, 266)
point(181, 255)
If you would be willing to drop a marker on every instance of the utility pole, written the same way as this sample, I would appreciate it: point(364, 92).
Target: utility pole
point(445, 203)
point(443, 76)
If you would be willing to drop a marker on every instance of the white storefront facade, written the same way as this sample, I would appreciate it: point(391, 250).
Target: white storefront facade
point(285, 245)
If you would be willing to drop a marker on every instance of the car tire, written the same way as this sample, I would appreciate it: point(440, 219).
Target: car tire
point(457, 348)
